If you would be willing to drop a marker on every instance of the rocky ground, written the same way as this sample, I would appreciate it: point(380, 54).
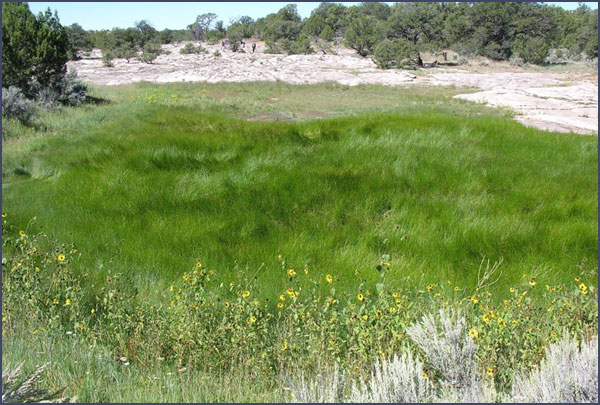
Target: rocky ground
point(559, 101)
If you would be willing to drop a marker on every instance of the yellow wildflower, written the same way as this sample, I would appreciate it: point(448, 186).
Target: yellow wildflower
point(67, 302)
point(60, 257)
point(430, 287)
point(306, 271)
point(284, 346)
point(252, 319)
point(360, 297)
point(4, 215)
point(246, 294)
point(485, 318)
point(329, 278)
point(92, 311)
point(282, 297)
point(398, 302)
point(474, 299)
point(456, 289)
point(490, 371)
point(291, 273)
point(21, 233)
point(395, 294)
point(280, 305)
point(198, 264)
point(512, 290)
point(473, 334)
point(532, 283)
point(186, 277)
point(392, 310)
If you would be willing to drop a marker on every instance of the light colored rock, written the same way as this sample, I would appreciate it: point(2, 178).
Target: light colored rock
point(553, 101)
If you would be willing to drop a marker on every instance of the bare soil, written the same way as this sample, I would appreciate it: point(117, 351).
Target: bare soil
point(564, 101)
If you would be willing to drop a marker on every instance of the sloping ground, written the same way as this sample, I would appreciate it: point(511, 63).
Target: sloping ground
point(553, 101)
point(544, 100)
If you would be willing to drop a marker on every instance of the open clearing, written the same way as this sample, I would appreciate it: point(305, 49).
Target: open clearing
point(556, 101)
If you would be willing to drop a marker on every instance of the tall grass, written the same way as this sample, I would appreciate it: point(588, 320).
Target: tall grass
point(211, 245)
point(163, 184)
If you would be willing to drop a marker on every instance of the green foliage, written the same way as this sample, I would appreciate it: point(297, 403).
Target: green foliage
point(285, 24)
point(416, 22)
point(150, 52)
point(190, 49)
point(42, 63)
point(201, 26)
point(361, 35)
point(531, 50)
point(81, 40)
point(146, 33)
point(300, 46)
point(166, 36)
point(209, 322)
point(107, 58)
point(331, 196)
point(234, 36)
point(398, 53)
point(327, 34)
point(126, 52)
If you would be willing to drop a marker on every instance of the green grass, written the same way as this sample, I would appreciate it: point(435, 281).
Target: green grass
point(157, 177)
point(148, 188)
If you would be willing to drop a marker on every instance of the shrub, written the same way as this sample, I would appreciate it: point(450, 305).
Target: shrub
point(73, 91)
point(495, 52)
point(567, 374)
point(273, 47)
point(33, 48)
point(216, 54)
point(190, 49)
point(398, 380)
point(150, 52)
point(107, 58)
point(516, 61)
point(299, 46)
point(16, 105)
point(361, 35)
point(326, 388)
point(397, 53)
point(449, 351)
point(126, 52)
point(213, 322)
point(532, 50)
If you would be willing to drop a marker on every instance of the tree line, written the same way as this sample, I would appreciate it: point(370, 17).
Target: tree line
point(37, 48)
point(394, 35)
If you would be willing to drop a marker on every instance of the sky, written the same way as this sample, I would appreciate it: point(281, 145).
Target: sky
point(177, 15)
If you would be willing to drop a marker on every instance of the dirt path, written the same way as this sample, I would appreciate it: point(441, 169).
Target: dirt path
point(554, 101)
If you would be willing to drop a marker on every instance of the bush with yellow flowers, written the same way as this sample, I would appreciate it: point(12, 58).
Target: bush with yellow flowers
point(214, 324)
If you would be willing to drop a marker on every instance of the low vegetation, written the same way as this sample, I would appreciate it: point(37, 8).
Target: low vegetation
point(161, 242)
point(288, 247)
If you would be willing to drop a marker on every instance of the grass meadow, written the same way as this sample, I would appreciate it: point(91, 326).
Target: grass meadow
point(249, 212)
